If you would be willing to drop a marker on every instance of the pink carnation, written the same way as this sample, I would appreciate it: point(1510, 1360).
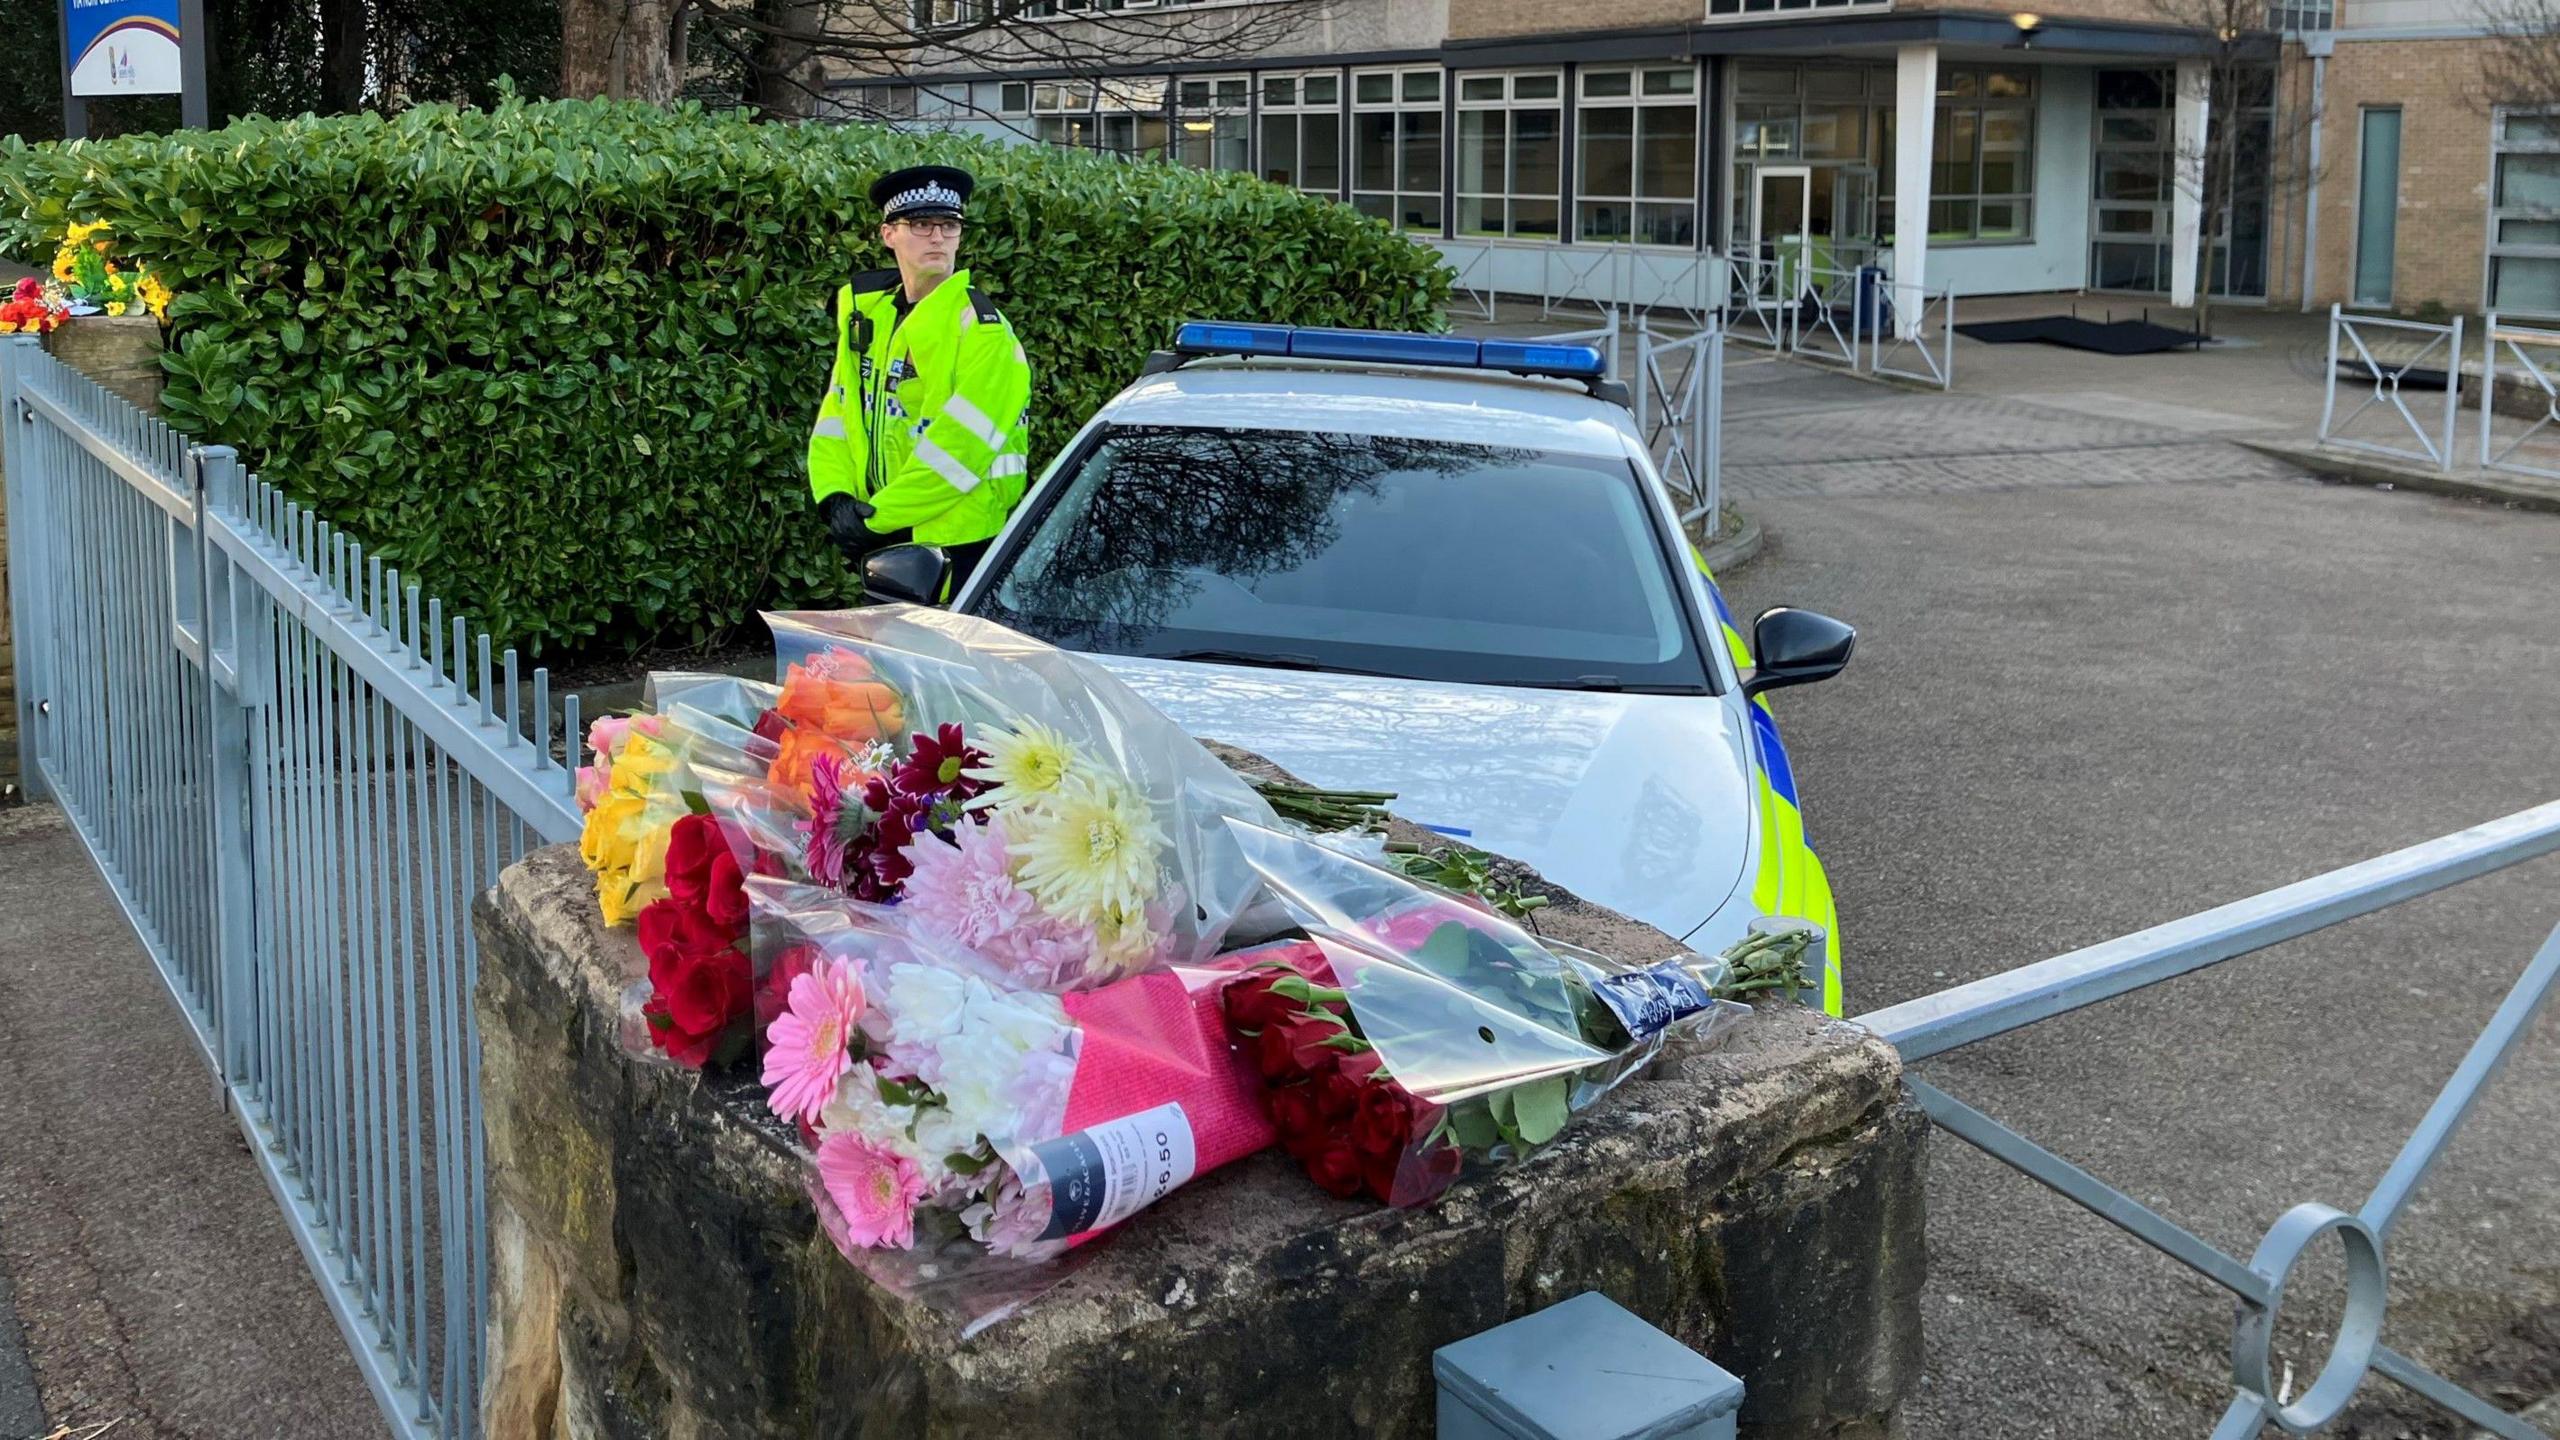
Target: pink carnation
point(966, 893)
point(874, 1189)
point(810, 1040)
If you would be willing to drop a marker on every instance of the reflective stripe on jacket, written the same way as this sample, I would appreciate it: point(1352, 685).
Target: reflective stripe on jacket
point(923, 418)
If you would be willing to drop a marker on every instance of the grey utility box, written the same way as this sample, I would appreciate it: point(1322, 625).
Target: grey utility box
point(1585, 1369)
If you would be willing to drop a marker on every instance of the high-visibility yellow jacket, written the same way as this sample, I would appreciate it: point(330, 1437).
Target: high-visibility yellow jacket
point(923, 418)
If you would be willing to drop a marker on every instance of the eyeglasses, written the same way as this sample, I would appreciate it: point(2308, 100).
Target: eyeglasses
point(936, 228)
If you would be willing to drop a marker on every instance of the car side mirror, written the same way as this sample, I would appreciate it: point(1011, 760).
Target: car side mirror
point(913, 573)
point(1796, 647)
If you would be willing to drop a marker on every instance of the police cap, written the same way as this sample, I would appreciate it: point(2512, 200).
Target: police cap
point(922, 192)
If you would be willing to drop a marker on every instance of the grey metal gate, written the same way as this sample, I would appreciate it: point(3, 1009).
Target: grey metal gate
point(1998, 1004)
point(294, 772)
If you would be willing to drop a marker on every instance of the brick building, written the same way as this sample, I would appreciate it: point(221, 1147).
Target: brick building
point(2057, 150)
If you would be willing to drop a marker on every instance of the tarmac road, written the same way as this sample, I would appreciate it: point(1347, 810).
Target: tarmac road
point(2076, 712)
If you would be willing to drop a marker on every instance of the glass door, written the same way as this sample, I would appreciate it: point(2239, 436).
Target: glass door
point(1781, 223)
point(1844, 218)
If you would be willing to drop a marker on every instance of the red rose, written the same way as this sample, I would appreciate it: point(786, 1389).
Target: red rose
point(724, 899)
point(690, 847)
point(1359, 1064)
point(1297, 1046)
point(1295, 1115)
point(1337, 1169)
point(1252, 1004)
point(770, 725)
point(675, 928)
point(697, 1000)
point(1383, 1125)
point(773, 992)
point(1337, 1094)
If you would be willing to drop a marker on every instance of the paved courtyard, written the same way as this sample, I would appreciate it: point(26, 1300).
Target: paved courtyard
point(2110, 673)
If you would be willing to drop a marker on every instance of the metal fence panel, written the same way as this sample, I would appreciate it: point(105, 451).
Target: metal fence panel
point(2390, 355)
point(1997, 1004)
point(295, 773)
point(2534, 447)
point(1678, 390)
point(1916, 338)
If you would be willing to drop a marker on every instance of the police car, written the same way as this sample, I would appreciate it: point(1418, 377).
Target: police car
point(1439, 566)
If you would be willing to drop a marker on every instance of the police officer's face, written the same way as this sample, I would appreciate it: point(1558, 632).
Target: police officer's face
point(928, 247)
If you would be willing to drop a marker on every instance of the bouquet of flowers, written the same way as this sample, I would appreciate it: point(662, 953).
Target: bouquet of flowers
point(98, 285)
point(951, 1113)
point(1017, 803)
point(1417, 1033)
point(32, 309)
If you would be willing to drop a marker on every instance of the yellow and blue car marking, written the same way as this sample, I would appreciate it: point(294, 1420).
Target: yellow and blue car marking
point(1790, 880)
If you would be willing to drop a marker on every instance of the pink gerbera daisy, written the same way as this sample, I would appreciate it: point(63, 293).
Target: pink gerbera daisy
point(824, 849)
point(874, 1189)
point(810, 1041)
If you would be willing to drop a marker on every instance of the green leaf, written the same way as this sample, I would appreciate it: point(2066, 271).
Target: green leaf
point(1473, 1126)
point(1539, 1110)
point(969, 1164)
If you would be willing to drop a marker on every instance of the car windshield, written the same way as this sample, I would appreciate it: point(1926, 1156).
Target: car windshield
point(1428, 559)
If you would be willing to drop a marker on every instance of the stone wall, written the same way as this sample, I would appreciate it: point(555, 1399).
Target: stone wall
point(657, 1270)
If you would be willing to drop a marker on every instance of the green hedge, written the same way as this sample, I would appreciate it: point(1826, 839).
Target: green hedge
point(558, 360)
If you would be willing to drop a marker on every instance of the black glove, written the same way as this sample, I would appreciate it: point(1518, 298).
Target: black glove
point(848, 524)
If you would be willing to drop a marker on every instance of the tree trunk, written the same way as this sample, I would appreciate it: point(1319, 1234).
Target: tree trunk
point(344, 36)
point(618, 48)
point(785, 73)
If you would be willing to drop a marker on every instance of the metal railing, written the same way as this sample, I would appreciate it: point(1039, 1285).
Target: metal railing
point(2419, 344)
point(1601, 275)
point(1826, 319)
point(2543, 432)
point(294, 772)
point(1923, 327)
point(1679, 409)
point(1756, 304)
point(1996, 1005)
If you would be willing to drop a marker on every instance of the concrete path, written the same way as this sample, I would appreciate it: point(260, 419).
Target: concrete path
point(2104, 684)
point(153, 1274)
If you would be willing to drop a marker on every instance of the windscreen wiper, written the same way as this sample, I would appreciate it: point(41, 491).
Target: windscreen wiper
point(1268, 660)
point(1610, 683)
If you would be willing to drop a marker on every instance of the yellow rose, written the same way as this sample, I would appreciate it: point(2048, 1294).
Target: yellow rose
point(611, 835)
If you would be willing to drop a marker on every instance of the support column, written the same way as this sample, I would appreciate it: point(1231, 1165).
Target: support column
point(2186, 206)
point(1915, 120)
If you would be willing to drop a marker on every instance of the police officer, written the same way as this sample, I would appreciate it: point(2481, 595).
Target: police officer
point(921, 431)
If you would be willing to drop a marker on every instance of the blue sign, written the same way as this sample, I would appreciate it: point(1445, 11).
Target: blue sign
point(122, 47)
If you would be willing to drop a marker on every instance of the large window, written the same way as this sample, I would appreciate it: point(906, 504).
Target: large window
point(2524, 213)
point(1302, 131)
point(1395, 150)
point(1212, 128)
point(1982, 161)
point(1369, 553)
point(1510, 153)
point(1062, 113)
point(1636, 170)
point(1122, 114)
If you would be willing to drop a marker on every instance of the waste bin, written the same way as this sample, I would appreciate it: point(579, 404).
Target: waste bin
point(1875, 300)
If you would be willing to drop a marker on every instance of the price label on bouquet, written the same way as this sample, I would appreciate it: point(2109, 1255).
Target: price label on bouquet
point(122, 47)
point(1106, 1174)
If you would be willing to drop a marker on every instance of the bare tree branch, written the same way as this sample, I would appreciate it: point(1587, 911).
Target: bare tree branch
point(789, 47)
point(2522, 65)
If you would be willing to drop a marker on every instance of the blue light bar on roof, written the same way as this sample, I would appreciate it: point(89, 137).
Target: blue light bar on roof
point(1388, 347)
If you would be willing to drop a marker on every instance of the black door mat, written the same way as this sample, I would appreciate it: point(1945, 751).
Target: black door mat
point(2123, 337)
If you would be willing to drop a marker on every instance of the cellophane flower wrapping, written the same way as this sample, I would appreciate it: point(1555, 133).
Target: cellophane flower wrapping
point(1017, 801)
point(967, 1134)
point(681, 886)
point(1415, 1034)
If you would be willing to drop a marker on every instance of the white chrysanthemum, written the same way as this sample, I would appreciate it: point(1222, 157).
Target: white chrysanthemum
point(1092, 851)
point(1029, 764)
